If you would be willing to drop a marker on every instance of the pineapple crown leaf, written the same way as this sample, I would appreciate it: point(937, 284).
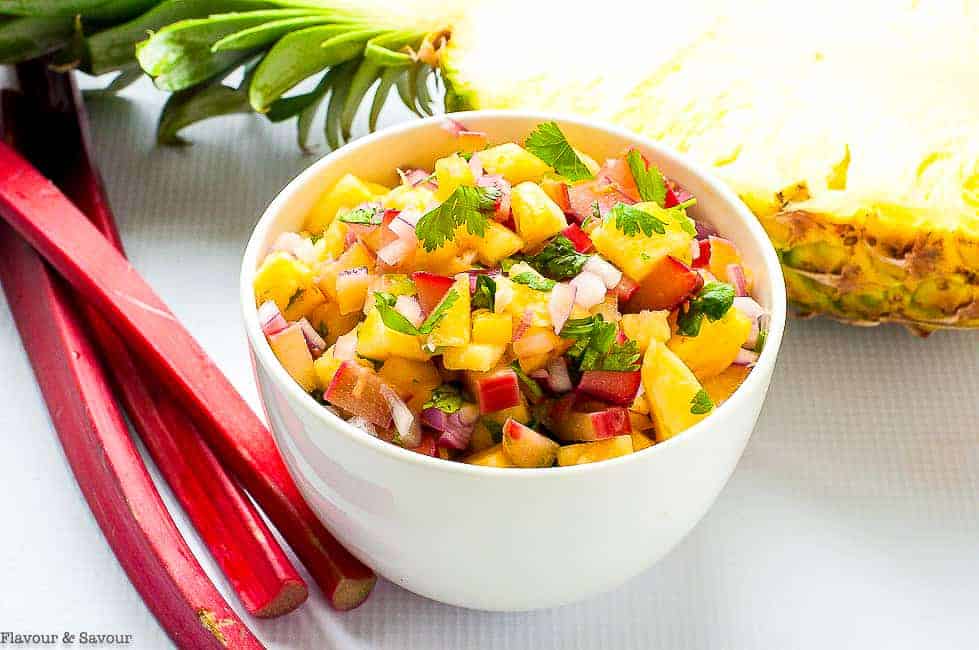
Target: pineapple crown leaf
point(293, 55)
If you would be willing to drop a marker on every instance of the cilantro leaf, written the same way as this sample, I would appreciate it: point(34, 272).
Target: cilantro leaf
point(465, 206)
point(630, 220)
point(393, 319)
point(485, 295)
point(595, 346)
point(649, 182)
point(534, 281)
point(507, 263)
point(495, 429)
point(530, 386)
point(548, 143)
point(701, 403)
point(365, 216)
point(558, 260)
point(713, 301)
point(445, 398)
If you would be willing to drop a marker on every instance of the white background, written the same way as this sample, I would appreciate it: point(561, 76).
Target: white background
point(851, 521)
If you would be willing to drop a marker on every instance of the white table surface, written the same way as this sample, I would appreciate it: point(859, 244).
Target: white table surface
point(851, 522)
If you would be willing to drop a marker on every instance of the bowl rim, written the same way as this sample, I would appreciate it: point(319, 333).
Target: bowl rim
point(264, 355)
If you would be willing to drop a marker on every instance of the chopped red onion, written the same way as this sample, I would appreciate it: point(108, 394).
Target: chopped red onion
point(704, 230)
point(736, 273)
point(297, 246)
point(345, 349)
point(558, 379)
point(395, 252)
point(503, 297)
point(410, 308)
point(603, 269)
point(476, 166)
point(746, 358)
point(416, 177)
point(456, 429)
point(457, 128)
point(404, 420)
point(590, 289)
point(403, 229)
point(271, 319)
point(540, 373)
point(411, 217)
point(749, 307)
point(530, 345)
point(435, 418)
point(694, 250)
point(314, 341)
point(560, 304)
point(364, 425)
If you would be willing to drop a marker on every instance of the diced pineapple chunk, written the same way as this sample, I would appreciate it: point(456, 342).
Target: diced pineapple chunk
point(279, 278)
point(330, 323)
point(334, 239)
point(413, 380)
point(497, 242)
point(290, 347)
point(536, 216)
point(671, 389)
point(491, 457)
point(303, 302)
point(723, 253)
point(377, 341)
point(325, 368)
point(513, 163)
point(451, 172)
point(638, 254)
point(490, 328)
point(641, 441)
point(722, 386)
point(349, 192)
point(354, 257)
point(647, 326)
point(407, 197)
point(715, 346)
point(482, 437)
point(480, 357)
point(454, 329)
point(352, 291)
point(592, 452)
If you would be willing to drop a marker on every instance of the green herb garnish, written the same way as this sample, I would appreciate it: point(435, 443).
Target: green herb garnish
point(465, 206)
point(485, 295)
point(558, 260)
point(384, 302)
point(530, 386)
point(548, 143)
point(495, 429)
point(364, 216)
point(649, 182)
point(533, 280)
point(595, 346)
point(701, 403)
point(630, 220)
point(445, 398)
point(712, 301)
point(294, 298)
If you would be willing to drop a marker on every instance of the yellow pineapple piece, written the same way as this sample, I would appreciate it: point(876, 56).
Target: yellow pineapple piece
point(647, 326)
point(454, 329)
point(494, 329)
point(279, 278)
point(406, 197)
point(492, 457)
point(333, 240)
point(290, 347)
point(524, 299)
point(452, 172)
point(330, 323)
point(513, 163)
point(377, 341)
point(641, 441)
point(671, 389)
point(723, 253)
point(303, 302)
point(638, 254)
point(480, 357)
point(356, 256)
point(482, 437)
point(413, 380)
point(715, 346)
point(592, 452)
point(352, 291)
point(349, 192)
point(721, 387)
point(497, 243)
point(536, 216)
point(325, 368)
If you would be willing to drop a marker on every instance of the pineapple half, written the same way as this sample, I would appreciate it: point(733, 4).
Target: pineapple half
point(851, 129)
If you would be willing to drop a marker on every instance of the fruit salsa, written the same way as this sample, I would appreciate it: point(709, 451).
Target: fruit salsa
point(517, 306)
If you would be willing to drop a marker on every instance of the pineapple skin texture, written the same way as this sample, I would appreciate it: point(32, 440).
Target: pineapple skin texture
point(902, 247)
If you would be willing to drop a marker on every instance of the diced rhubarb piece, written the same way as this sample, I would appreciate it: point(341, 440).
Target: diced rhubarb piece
point(675, 195)
point(526, 447)
point(358, 390)
point(576, 426)
point(611, 422)
point(703, 254)
point(431, 289)
point(427, 446)
point(668, 284)
point(498, 391)
point(579, 238)
point(625, 289)
point(617, 388)
point(583, 195)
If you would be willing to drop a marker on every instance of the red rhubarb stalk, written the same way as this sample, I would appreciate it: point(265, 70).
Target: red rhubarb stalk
point(228, 523)
point(92, 265)
point(106, 464)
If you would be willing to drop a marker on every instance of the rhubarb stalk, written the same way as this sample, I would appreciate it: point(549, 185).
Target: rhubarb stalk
point(53, 133)
point(106, 464)
point(92, 265)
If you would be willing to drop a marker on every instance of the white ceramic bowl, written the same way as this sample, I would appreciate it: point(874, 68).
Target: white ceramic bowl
point(506, 539)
